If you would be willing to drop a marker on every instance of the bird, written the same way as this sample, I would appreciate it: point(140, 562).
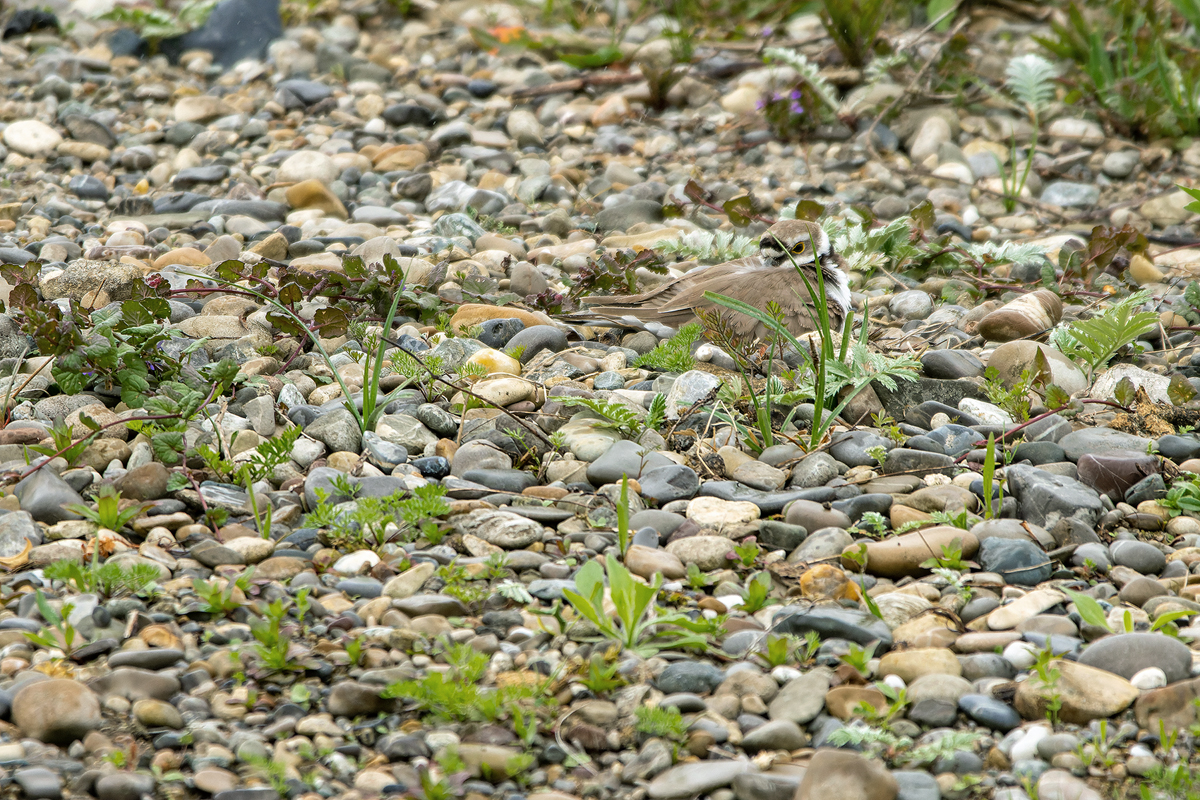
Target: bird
point(785, 250)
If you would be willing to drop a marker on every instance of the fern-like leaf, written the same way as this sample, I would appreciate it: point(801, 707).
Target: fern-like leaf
point(656, 414)
point(612, 415)
point(1096, 340)
point(675, 354)
point(1030, 78)
point(710, 246)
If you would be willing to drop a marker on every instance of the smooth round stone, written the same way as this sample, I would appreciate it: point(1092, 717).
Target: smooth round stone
point(691, 677)
point(1139, 556)
point(686, 702)
point(1021, 563)
point(913, 304)
point(990, 713)
point(1127, 654)
point(1149, 678)
point(609, 381)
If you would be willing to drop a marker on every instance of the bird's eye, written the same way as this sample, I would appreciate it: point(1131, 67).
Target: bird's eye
point(799, 248)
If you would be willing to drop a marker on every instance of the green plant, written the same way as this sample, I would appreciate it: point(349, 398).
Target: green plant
point(459, 584)
point(758, 587)
point(1174, 782)
point(812, 643)
point(993, 490)
point(1092, 342)
point(376, 521)
point(797, 108)
point(1090, 610)
point(945, 746)
point(64, 444)
point(111, 579)
point(273, 770)
point(858, 657)
point(712, 247)
point(1130, 65)
point(879, 453)
point(665, 723)
point(218, 598)
point(60, 633)
point(638, 625)
point(747, 552)
point(1030, 81)
point(457, 696)
point(602, 676)
point(612, 414)
point(107, 513)
point(897, 701)
point(623, 516)
point(696, 578)
point(1014, 400)
point(1049, 675)
point(156, 24)
point(853, 25)
point(778, 650)
point(872, 524)
point(1183, 497)
point(874, 741)
point(656, 412)
point(951, 558)
point(959, 519)
point(674, 354)
point(497, 565)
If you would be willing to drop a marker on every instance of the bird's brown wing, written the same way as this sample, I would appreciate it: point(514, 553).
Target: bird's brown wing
point(781, 285)
point(675, 303)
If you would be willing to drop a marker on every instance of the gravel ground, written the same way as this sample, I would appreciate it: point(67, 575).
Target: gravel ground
point(239, 586)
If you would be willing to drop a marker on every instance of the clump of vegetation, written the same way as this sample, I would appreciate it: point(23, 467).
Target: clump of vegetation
point(665, 723)
point(111, 579)
point(108, 513)
point(457, 696)
point(1132, 65)
point(1093, 342)
point(674, 354)
point(371, 522)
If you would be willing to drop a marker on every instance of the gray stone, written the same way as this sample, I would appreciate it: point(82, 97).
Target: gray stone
point(623, 216)
point(693, 677)
point(1043, 499)
point(39, 783)
point(815, 470)
point(688, 389)
point(124, 786)
point(500, 528)
point(537, 338)
point(780, 734)
point(44, 495)
point(860, 627)
point(1069, 194)
point(337, 430)
point(1022, 563)
point(624, 458)
point(1100, 440)
point(1141, 557)
point(666, 484)
point(910, 305)
point(801, 699)
point(1128, 653)
point(916, 785)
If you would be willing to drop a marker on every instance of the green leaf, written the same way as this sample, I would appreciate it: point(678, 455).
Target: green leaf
point(1089, 609)
point(1125, 392)
point(1166, 619)
point(809, 210)
point(44, 608)
point(935, 9)
point(1180, 391)
point(740, 211)
point(1057, 397)
point(608, 54)
point(167, 446)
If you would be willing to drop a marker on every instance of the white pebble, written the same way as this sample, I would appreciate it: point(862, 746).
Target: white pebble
point(784, 675)
point(1026, 747)
point(1021, 655)
point(896, 682)
point(1149, 678)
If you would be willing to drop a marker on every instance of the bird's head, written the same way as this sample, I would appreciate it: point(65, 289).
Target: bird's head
point(794, 241)
point(801, 243)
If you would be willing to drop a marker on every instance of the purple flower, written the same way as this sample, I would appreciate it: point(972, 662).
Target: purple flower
point(760, 105)
point(797, 108)
point(767, 31)
point(796, 95)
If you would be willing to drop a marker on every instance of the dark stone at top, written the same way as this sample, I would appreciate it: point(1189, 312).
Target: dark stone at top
point(308, 92)
point(211, 173)
point(923, 414)
point(860, 627)
point(89, 187)
point(496, 333)
point(951, 364)
point(27, 20)
point(235, 30)
point(481, 87)
point(178, 202)
point(1043, 499)
point(408, 114)
point(1018, 562)
point(624, 215)
point(694, 677)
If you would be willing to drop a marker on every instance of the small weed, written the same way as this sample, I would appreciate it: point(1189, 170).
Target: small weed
point(107, 513)
point(665, 723)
